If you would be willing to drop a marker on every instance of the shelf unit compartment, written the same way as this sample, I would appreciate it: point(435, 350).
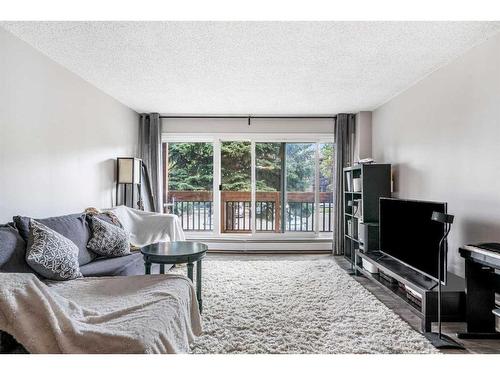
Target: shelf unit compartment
point(347, 208)
point(350, 247)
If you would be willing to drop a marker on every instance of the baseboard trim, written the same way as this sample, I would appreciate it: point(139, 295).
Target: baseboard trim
point(267, 246)
point(270, 252)
point(289, 240)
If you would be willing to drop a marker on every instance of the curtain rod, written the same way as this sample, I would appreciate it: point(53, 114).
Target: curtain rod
point(248, 117)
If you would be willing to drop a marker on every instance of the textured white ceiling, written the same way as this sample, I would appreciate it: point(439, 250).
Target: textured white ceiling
point(252, 67)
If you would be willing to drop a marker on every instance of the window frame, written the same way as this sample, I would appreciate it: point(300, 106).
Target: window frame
point(216, 139)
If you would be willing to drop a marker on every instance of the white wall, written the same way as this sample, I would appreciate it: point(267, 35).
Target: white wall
point(443, 137)
point(363, 136)
point(58, 136)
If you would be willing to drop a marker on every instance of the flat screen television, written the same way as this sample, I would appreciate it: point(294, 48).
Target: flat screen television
point(408, 234)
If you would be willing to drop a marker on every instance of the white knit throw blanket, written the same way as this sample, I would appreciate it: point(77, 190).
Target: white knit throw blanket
point(132, 314)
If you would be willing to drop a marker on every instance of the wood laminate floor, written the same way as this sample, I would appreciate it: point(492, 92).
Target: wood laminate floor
point(385, 296)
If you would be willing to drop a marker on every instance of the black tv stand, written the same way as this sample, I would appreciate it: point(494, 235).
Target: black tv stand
point(378, 255)
point(453, 302)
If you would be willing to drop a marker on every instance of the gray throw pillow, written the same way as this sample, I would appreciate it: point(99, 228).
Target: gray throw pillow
point(50, 254)
point(108, 239)
point(74, 227)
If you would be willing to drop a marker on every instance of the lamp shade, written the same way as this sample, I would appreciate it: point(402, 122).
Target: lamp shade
point(129, 170)
point(441, 217)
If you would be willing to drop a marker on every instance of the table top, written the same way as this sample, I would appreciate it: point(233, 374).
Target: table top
point(482, 256)
point(176, 249)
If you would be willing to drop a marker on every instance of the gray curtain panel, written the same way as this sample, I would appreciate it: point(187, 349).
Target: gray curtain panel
point(344, 141)
point(150, 153)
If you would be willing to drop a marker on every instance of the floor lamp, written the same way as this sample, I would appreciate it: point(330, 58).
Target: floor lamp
point(439, 340)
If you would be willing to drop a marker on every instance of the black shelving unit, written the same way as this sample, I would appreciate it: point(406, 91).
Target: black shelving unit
point(363, 185)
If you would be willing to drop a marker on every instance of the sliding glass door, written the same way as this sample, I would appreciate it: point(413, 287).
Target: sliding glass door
point(326, 187)
point(189, 177)
point(262, 188)
point(269, 158)
point(300, 187)
point(235, 187)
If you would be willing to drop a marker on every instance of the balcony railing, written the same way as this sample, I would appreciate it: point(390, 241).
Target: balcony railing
point(195, 210)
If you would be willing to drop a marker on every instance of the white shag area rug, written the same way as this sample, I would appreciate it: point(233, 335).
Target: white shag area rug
point(296, 306)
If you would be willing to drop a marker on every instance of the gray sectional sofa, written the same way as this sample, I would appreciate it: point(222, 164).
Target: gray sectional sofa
point(13, 239)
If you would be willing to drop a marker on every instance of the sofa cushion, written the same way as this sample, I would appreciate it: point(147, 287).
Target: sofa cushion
point(12, 251)
point(50, 254)
point(128, 265)
point(108, 239)
point(74, 227)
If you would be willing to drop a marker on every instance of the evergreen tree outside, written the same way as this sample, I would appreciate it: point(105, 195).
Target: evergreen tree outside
point(300, 165)
point(190, 166)
point(326, 165)
point(236, 166)
point(268, 166)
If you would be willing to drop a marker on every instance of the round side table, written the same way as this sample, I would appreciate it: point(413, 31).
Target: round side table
point(177, 252)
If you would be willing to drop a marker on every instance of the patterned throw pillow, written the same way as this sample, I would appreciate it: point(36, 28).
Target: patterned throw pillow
point(50, 254)
point(108, 239)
